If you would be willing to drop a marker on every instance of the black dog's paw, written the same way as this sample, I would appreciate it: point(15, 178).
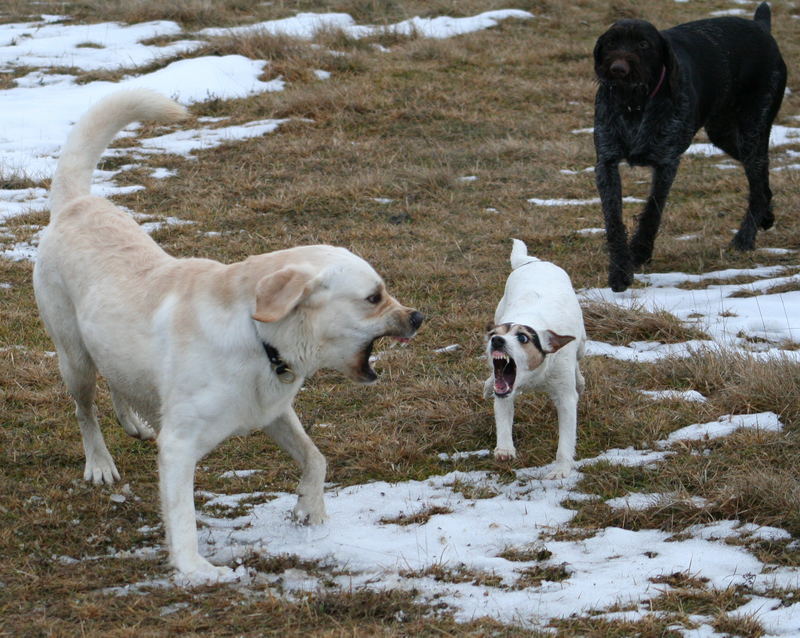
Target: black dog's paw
point(641, 252)
point(620, 278)
point(744, 240)
point(767, 221)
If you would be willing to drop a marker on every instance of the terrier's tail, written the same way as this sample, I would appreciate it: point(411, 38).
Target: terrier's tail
point(93, 133)
point(519, 254)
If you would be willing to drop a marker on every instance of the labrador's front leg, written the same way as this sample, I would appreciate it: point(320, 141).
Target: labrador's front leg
point(178, 454)
point(288, 433)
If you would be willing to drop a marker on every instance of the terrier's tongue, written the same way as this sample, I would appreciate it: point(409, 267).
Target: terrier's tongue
point(500, 386)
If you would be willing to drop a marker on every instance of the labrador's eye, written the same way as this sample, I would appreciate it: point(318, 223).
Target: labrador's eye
point(644, 44)
point(522, 338)
point(375, 299)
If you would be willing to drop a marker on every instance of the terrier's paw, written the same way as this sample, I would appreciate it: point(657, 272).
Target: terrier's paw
point(504, 454)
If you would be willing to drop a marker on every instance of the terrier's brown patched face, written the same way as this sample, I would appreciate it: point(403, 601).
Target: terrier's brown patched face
point(512, 347)
point(515, 349)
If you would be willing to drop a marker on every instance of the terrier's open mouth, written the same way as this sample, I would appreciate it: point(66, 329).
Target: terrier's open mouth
point(505, 373)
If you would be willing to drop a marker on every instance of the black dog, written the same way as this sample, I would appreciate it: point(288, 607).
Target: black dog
point(656, 89)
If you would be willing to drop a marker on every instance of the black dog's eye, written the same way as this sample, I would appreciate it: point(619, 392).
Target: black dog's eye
point(375, 299)
point(644, 44)
point(522, 338)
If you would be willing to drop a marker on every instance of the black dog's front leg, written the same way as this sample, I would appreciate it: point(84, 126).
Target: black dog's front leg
point(650, 218)
point(620, 268)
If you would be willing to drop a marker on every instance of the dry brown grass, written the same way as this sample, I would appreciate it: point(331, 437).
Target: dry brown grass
point(524, 554)
point(649, 627)
point(619, 325)
point(417, 518)
point(748, 476)
point(735, 383)
point(789, 286)
point(457, 574)
point(404, 125)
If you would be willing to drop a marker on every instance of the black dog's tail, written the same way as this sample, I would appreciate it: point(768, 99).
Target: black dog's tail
point(763, 16)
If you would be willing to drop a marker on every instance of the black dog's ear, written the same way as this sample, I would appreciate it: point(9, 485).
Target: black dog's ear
point(670, 62)
point(598, 51)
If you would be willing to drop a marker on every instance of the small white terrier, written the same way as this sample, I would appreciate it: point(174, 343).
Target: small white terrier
point(535, 342)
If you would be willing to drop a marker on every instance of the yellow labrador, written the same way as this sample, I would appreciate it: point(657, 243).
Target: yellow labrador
point(193, 350)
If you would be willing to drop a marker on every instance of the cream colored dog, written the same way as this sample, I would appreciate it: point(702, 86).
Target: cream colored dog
point(536, 342)
point(197, 349)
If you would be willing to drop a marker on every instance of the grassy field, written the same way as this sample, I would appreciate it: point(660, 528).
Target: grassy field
point(406, 125)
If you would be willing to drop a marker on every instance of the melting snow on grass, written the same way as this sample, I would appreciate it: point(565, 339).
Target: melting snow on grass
point(305, 25)
point(498, 556)
point(495, 556)
point(33, 130)
point(751, 316)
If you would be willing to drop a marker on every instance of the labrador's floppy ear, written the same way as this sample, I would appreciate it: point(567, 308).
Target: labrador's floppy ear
point(279, 293)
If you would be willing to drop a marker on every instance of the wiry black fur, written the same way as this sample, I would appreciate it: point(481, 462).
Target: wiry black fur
point(724, 74)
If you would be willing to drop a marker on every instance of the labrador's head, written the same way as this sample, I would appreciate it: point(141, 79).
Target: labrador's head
point(333, 306)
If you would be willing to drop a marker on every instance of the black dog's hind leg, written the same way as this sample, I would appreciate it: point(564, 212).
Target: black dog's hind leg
point(747, 140)
point(759, 208)
point(650, 218)
point(751, 151)
point(609, 185)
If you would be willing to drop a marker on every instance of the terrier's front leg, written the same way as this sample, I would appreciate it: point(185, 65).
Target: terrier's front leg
point(504, 421)
point(566, 402)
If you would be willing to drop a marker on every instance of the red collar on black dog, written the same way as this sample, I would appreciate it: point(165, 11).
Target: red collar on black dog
point(660, 81)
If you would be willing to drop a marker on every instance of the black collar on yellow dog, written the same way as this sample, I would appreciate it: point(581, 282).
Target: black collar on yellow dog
point(279, 366)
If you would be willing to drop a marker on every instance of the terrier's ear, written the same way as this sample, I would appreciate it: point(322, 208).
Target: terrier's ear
point(278, 293)
point(490, 326)
point(553, 342)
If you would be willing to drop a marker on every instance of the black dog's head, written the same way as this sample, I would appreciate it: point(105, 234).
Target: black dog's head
point(634, 58)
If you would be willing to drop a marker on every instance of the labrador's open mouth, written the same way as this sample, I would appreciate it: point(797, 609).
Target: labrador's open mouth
point(364, 371)
point(505, 373)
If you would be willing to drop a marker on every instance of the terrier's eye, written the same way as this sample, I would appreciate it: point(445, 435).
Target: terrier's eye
point(522, 338)
point(375, 299)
